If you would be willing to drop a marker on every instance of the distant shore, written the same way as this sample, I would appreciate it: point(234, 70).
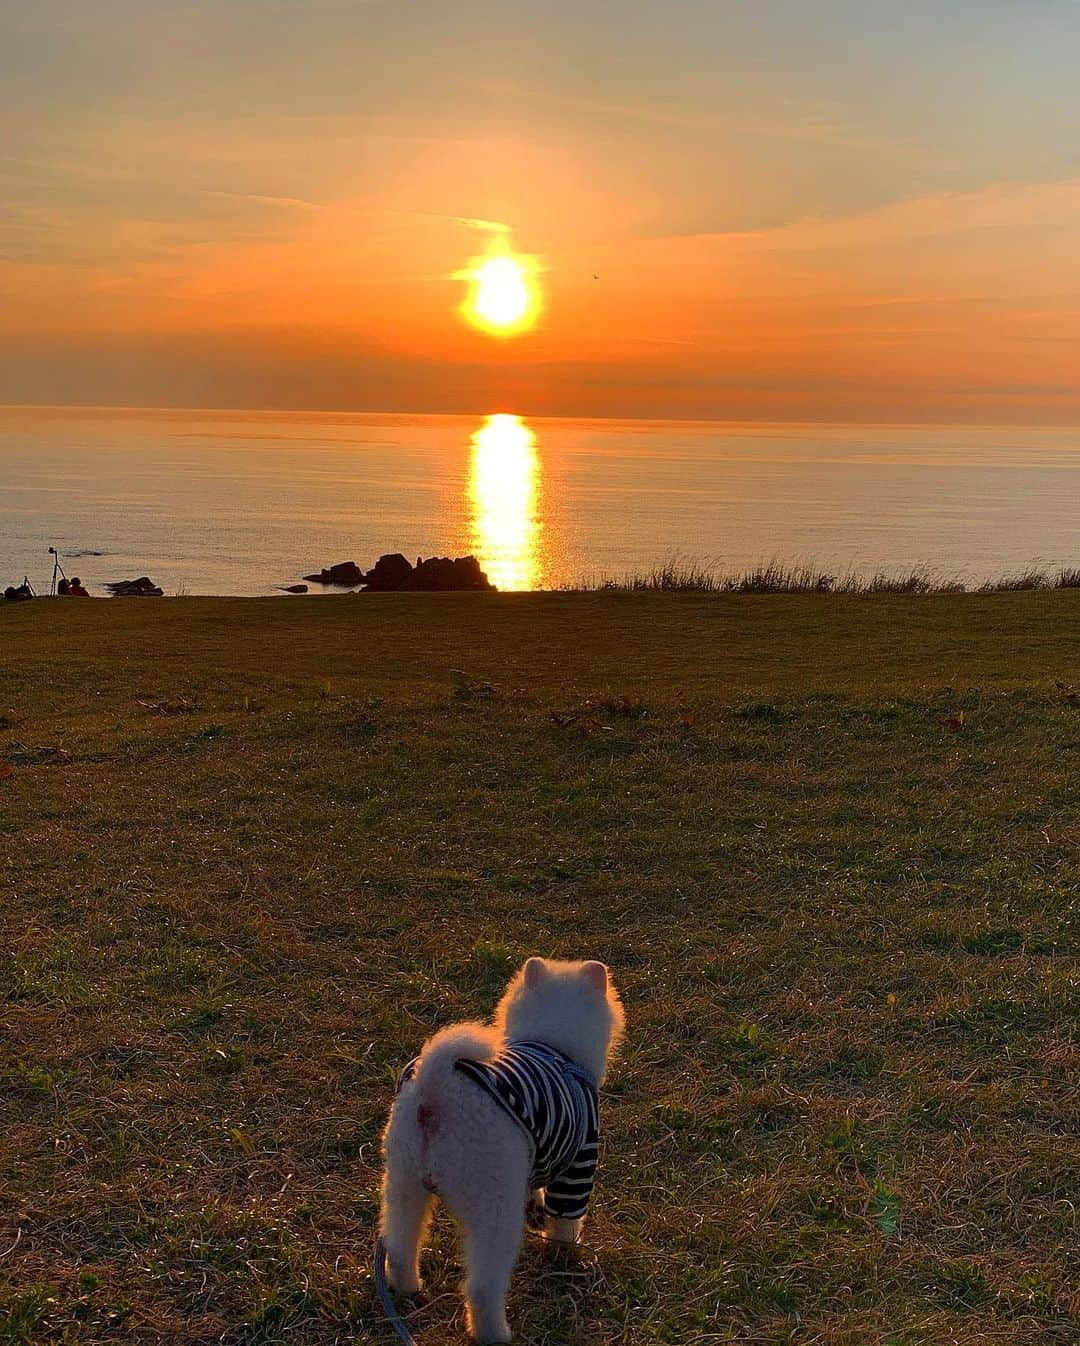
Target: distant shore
point(770, 577)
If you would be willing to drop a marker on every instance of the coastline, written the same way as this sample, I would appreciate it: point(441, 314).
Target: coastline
point(685, 577)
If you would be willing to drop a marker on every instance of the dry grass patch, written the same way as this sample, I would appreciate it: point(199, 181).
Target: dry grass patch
point(830, 851)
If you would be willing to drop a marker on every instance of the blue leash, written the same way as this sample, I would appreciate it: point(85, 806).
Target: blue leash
point(386, 1299)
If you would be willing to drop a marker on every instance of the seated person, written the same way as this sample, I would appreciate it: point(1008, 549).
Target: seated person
point(75, 588)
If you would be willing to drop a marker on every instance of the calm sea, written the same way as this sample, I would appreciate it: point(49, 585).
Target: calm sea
point(239, 502)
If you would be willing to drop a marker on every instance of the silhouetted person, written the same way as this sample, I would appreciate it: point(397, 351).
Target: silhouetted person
point(63, 588)
point(75, 588)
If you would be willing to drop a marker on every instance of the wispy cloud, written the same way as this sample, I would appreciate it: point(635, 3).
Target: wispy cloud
point(485, 226)
point(999, 206)
point(466, 221)
point(819, 119)
point(285, 202)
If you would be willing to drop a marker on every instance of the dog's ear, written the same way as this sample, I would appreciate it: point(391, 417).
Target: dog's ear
point(596, 975)
point(535, 972)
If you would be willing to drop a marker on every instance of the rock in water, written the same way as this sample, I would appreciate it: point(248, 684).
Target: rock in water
point(393, 573)
point(445, 574)
point(347, 573)
point(293, 588)
point(143, 587)
point(388, 574)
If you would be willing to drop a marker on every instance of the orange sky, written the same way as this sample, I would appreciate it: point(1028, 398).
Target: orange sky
point(740, 214)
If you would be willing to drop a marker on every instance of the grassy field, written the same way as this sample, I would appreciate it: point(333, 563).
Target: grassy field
point(253, 851)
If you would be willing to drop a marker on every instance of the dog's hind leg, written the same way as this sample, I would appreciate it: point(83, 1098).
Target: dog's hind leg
point(492, 1241)
point(407, 1208)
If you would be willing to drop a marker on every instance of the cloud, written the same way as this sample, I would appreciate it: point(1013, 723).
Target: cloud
point(999, 206)
point(285, 202)
point(485, 226)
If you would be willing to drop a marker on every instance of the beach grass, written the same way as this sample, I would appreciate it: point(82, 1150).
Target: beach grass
point(682, 576)
point(253, 851)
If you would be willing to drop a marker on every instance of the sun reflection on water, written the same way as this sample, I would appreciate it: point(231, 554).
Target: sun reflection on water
point(504, 487)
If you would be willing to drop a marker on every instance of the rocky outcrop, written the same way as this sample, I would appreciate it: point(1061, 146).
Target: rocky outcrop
point(444, 573)
point(143, 587)
point(389, 573)
point(394, 573)
point(293, 588)
point(346, 573)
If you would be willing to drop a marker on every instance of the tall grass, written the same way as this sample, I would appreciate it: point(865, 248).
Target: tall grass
point(776, 577)
point(1068, 577)
point(1021, 580)
point(679, 576)
point(675, 576)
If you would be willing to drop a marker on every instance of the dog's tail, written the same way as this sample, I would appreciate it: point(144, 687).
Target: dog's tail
point(460, 1042)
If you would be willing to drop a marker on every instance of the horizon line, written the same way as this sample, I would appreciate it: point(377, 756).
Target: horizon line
point(925, 423)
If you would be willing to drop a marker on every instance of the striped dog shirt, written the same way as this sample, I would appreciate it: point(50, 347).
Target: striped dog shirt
point(553, 1101)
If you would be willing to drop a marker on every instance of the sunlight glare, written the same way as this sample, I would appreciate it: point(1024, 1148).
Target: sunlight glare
point(503, 298)
point(504, 478)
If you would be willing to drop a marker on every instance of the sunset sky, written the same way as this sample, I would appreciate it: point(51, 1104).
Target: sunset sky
point(845, 209)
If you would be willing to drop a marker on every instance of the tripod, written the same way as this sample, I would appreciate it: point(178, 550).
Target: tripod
point(57, 571)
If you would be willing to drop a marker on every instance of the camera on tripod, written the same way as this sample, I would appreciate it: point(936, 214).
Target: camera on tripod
point(58, 577)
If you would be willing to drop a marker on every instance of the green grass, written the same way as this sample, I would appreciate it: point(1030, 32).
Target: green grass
point(253, 851)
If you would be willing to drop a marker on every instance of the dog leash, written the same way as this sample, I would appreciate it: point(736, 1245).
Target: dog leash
point(386, 1299)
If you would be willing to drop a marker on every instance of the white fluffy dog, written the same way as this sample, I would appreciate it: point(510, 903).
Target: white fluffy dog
point(489, 1113)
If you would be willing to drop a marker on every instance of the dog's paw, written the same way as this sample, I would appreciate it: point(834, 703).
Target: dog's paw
point(562, 1233)
point(490, 1331)
point(405, 1287)
point(497, 1336)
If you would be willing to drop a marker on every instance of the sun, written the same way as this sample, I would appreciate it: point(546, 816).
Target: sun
point(502, 295)
point(503, 298)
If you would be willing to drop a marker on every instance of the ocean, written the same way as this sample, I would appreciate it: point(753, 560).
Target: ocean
point(217, 502)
